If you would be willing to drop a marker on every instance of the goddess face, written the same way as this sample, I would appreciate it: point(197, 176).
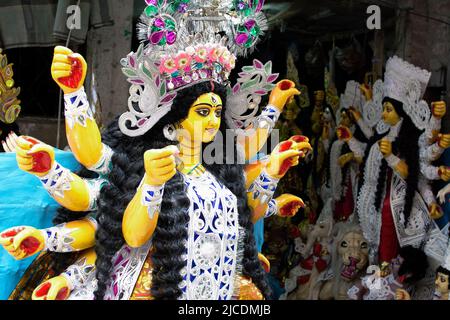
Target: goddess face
point(390, 116)
point(442, 283)
point(203, 120)
point(319, 97)
point(326, 115)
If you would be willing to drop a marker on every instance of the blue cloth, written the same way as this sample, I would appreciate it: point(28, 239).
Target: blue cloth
point(23, 201)
point(445, 206)
point(258, 231)
point(258, 228)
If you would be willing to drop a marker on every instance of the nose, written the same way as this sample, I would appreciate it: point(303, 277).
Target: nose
point(213, 120)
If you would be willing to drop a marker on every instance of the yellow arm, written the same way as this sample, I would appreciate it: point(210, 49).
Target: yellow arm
point(69, 72)
point(82, 131)
point(141, 214)
point(23, 241)
point(71, 236)
point(138, 225)
point(255, 138)
point(402, 169)
point(262, 179)
point(67, 188)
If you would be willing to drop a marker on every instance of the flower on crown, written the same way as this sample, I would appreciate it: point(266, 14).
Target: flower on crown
point(198, 63)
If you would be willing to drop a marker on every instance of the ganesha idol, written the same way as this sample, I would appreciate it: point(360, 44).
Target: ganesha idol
point(148, 217)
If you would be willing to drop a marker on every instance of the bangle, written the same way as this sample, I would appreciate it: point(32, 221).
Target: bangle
point(94, 187)
point(77, 108)
point(58, 239)
point(268, 117)
point(272, 209)
point(152, 198)
point(57, 180)
point(104, 164)
point(79, 274)
point(264, 187)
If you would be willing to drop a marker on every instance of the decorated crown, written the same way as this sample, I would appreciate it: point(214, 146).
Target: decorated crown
point(186, 42)
point(407, 83)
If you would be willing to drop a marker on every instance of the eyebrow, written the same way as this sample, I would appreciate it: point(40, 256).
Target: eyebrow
point(207, 104)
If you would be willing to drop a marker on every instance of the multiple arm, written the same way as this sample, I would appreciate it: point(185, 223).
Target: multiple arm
point(262, 180)
point(257, 137)
point(23, 241)
point(141, 215)
point(69, 71)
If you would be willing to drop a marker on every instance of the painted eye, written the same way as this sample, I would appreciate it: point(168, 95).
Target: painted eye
point(218, 113)
point(344, 244)
point(364, 245)
point(204, 112)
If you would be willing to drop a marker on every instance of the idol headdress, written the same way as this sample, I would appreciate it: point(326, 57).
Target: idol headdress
point(407, 83)
point(187, 42)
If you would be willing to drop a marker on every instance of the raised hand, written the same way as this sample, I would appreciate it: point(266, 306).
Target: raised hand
point(367, 91)
point(285, 155)
point(385, 147)
point(34, 156)
point(343, 133)
point(56, 288)
point(444, 140)
point(301, 144)
point(288, 205)
point(443, 193)
point(438, 108)
point(68, 69)
point(402, 294)
point(160, 165)
point(283, 91)
point(435, 211)
point(22, 242)
point(444, 173)
point(10, 142)
point(356, 115)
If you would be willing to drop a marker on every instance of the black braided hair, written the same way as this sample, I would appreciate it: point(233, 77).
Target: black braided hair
point(415, 264)
point(171, 231)
point(444, 271)
point(407, 148)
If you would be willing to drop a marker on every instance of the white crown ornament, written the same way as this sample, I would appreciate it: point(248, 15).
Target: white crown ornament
point(189, 42)
point(407, 83)
point(244, 98)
